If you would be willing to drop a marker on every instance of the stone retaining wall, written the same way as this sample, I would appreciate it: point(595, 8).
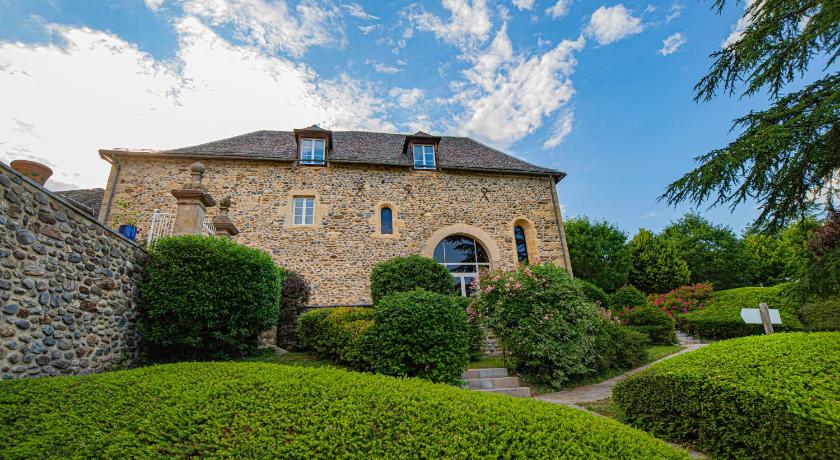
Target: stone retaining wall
point(67, 286)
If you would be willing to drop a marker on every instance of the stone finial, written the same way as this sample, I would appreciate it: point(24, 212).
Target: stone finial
point(196, 176)
point(193, 201)
point(224, 226)
point(224, 205)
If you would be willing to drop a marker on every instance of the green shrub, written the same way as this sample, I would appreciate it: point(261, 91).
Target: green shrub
point(475, 334)
point(419, 334)
point(822, 315)
point(620, 347)
point(651, 321)
point(543, 320)
point(334, 333)
point(627, 296)
point(259, 410)
point(593, 293)
point(756, 397)
point(206, 297)
point(403, 274)
point(721, 317)
point(294, 298)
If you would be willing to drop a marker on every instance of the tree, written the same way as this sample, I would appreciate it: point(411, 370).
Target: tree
point(787, 157)
point(764, 262)
point(598, 252)
point(713, 252)
point(657, 265)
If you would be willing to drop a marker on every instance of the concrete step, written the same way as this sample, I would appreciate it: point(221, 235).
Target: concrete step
point(497, 382)
point(519, 392)
point(488, 373)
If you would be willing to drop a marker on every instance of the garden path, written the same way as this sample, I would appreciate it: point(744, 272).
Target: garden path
point(603, 390)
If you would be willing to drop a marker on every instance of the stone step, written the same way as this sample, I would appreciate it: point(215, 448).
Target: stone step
point(488, 373)
point(519, 392)
point(496, 382)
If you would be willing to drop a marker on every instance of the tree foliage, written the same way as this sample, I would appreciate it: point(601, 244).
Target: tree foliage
point(657, 264)
point(598, 252)
point(786, 157)
point(713, 252)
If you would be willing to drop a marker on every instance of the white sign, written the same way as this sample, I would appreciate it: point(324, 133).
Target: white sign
point(753, 316)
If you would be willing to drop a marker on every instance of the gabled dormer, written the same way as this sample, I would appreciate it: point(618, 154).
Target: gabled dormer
point(314, 145)
point(423, 150)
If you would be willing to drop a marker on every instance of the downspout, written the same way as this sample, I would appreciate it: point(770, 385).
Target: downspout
point(559, 221)
point(115, 163)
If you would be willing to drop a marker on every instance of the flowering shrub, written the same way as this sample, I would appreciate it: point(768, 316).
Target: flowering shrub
point(538, 313)
point(626, 296)
point(683, 299)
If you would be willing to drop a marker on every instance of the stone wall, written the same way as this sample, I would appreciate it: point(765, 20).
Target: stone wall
point(67, 286)
point(337, 253)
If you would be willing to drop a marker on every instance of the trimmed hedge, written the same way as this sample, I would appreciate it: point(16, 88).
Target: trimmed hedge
point(256, 410)
point(294, 297)
point(206, 297)
point(651, 321)
point(403, 274)
point(627, 296)
point(759, 397)
point(334, 333)
point(721, 317)
point(419, 334)
point(822, 315)
point(593, 293)
point(619, 347)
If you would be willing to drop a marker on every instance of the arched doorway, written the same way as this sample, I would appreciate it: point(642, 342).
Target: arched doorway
point(464, 257)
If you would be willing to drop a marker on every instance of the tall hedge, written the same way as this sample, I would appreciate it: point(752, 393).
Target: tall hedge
point(770, 396)
point(403, 274)
point(206, 297)
point(658, 265)
point(294, 297)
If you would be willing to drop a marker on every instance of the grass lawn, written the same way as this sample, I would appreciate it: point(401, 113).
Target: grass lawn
point(606, 407)
point(488, 361)
point(292, 358)
point(656, 352)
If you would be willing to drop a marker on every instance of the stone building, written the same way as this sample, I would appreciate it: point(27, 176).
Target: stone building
point(331, 204)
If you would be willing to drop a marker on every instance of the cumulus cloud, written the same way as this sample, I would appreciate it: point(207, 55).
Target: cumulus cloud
point(406, 97)
point(559, 9)
point(468, 25)
point(90, 89)
point(524, 4)
point(740, 27)
point(562, 128)
point(672, 43)
point(485, 65)
point(609, 25)
point(380, 67)
point(674, 12)
point(154, 5)
point(357, 11)
point(525, 90)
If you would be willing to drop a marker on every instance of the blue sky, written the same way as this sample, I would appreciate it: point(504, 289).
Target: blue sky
point(601, 90)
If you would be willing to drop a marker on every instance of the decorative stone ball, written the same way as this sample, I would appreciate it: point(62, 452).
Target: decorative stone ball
point(198, 167)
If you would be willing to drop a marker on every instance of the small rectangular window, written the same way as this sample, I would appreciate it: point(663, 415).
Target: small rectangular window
point(304, 210)
point(424, 156)
point(312, 151)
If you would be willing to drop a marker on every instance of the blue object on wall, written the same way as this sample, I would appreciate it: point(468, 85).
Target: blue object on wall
point(128, 231)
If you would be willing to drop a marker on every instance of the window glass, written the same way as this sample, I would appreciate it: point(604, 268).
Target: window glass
point(521, 244)
point(303, 210)
point(465, 258)
point(424, 156)
point(312, 151)
point(386, 222)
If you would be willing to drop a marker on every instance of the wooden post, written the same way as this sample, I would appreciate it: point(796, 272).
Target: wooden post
point(765, 318)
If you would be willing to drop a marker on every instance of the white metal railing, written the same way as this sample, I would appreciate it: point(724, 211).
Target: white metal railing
point(161, 225)
point(208, 226)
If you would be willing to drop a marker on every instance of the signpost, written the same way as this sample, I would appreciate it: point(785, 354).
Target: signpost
point(762, 315)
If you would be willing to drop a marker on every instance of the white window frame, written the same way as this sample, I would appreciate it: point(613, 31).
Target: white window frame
point(427, 156)
point(303, 210)
point(308, 156)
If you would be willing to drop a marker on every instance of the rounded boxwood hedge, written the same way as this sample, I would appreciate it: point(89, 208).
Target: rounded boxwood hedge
point(402, 274)
point(721, 317)
point(593, 293)
point(770, 396)
point(206, 297)
point(334, 333)
point(627, 296)
point(257, 410)
point(651, 321)
point(419, 334)
point(821, 315)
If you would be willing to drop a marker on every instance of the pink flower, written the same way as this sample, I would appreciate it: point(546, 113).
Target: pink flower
point(546, 317)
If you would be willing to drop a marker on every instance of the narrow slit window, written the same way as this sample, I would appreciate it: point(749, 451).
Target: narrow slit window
point(521, 244)
point(386, 221)
point(304, 210)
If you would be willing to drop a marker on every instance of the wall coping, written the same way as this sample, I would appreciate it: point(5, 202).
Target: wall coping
point(70, 205)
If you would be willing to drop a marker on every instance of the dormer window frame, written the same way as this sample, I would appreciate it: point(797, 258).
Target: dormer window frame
point(423, 164)
point(422, 140)
point(310, 158)
point(314, 134)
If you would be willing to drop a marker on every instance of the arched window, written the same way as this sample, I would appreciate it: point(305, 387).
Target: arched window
point(521, 244)
point(386, 221)
point(464, 257)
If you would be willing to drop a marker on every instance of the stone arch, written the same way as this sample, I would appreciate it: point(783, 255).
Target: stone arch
point(467, 230)
point(531, 241)
point(396, 223)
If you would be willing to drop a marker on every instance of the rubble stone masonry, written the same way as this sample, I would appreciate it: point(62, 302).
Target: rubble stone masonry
point(336, 254)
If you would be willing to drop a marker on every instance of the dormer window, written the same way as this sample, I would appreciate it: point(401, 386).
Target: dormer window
point(312, 151)
point(424, 156)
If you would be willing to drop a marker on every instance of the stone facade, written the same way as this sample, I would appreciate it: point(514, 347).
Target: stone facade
point(336, 254)
point(67, 286)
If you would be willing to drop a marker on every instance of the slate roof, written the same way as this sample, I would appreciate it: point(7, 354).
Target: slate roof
point(368, 148)
point(89, 199)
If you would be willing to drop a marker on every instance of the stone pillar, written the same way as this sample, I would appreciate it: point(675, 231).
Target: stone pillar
point(224, 226)
point(193, 201)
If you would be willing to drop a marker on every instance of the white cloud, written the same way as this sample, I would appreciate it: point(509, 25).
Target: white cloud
point(608, 25)
point(90, 89)
point(562, 128)
point(154, 5)
point(559, 9)
point(740, 27)
point(525, 91)
point(469, 23)
point(406, 97)
point(524, 4)
point(357, 11)
point(485, 65)
point(674, 12)
point(380, 67)
point(671, 44)
point(367, 29)
point(271, 25)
